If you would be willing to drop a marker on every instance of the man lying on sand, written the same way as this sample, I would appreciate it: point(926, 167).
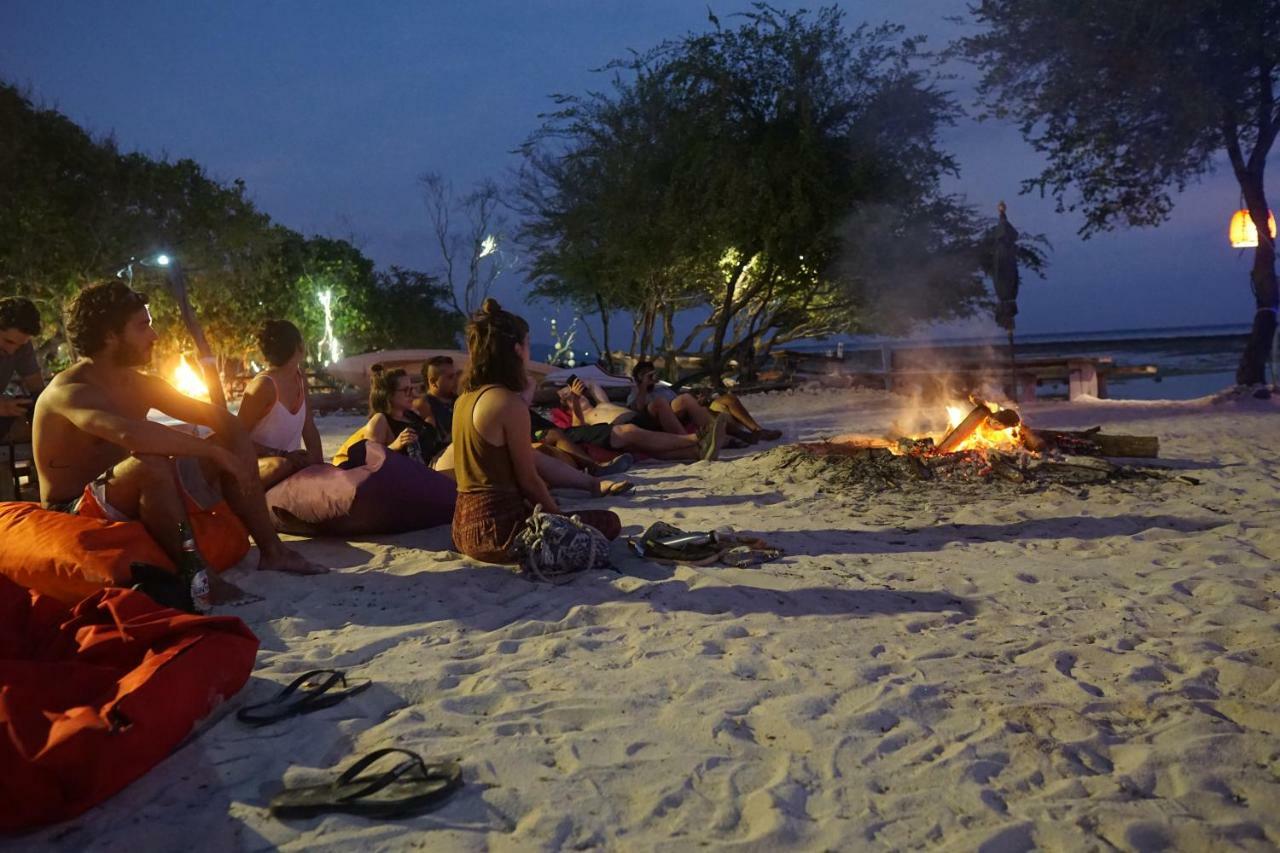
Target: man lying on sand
point(98, 455)
point(581, 402)
point(661, 407)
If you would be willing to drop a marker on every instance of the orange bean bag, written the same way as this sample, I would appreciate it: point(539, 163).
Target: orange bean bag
point(68, 556)
point(94, 696)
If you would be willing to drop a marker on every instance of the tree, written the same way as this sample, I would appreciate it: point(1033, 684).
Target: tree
point(724, 170)
point(1130, 102)
point(471, 254)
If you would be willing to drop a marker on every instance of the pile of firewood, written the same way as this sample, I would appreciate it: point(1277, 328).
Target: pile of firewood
point(1036, 456)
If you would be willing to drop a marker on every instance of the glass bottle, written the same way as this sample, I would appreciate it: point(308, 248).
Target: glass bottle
point(193, 569)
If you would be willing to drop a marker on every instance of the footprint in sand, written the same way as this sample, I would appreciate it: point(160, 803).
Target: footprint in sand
point(1065, 663)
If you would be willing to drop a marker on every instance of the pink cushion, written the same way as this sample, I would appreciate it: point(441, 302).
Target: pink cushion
point(390, 493)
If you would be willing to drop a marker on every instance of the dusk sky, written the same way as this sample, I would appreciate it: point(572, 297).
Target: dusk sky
point(331, 110)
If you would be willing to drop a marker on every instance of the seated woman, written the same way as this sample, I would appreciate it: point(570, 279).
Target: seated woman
point(393, 422)
point(274, 409)
point(498, 482)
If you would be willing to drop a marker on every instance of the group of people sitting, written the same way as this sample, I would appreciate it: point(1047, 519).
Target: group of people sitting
point(98, 454)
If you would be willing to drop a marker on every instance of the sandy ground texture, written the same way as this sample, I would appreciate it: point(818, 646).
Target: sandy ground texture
point(1071, 668)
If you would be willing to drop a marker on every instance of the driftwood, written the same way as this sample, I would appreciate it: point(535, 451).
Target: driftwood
point(1093, 442)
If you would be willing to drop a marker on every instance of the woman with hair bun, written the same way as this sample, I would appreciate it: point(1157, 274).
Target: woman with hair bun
point(275, 410)
point(498, 482)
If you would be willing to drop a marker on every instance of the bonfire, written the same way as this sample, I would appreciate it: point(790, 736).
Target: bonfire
point(984, 441)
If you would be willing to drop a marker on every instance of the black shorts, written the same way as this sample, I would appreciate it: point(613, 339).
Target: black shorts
point(644, 420)
point(595, 434)
point(538, 425)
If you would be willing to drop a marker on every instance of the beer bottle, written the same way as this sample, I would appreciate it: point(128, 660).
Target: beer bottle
point(193, 569)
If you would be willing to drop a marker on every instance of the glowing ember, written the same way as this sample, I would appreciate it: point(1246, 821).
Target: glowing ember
point(188, 381)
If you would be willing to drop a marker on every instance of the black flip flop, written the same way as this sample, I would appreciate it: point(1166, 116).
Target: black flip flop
point(410, 788)
point(285, 704)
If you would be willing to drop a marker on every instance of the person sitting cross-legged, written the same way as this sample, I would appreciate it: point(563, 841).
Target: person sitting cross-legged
point(498, 481)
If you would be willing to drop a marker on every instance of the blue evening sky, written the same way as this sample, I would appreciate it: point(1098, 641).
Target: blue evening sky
point(331, 110)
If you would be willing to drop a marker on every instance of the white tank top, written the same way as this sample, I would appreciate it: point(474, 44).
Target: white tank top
point(280, 429)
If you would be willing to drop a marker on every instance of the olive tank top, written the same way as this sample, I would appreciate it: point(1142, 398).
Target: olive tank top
point(478, 465)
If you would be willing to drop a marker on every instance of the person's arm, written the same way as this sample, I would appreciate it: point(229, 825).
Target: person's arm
point(515, 429)
point(162, 396)
point(258, 399)
point(422, 406)
point(379, 432)
point(575, 408)
point(28, 368)
point(311, 438)
point(639, 396)
point(86, 408)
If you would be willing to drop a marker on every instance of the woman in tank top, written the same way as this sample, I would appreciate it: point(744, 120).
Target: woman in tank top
point(274, 409)
point(393, 421)
point(498, 482)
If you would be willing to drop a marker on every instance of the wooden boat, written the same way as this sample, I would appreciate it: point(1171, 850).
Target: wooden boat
point(355, 369)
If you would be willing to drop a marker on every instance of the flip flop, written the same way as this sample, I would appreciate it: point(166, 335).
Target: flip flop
point(285, 704)
point(410, 788)
point(619, 463)
point(619, 487)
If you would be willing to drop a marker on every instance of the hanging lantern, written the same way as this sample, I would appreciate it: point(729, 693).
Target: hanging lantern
point(1244, 234)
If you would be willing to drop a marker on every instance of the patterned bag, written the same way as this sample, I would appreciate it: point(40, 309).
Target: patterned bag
point(552, 547)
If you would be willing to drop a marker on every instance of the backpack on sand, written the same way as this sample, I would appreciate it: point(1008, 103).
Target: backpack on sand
point(552, 547)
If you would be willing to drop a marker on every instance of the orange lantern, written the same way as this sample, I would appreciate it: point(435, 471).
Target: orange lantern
point(1244, 234)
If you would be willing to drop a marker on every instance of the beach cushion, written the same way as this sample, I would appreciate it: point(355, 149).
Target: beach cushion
point(389, 493)
point(94, 696)
point(68, 557)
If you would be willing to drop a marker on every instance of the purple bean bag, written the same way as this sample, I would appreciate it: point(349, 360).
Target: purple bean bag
point(389, 493)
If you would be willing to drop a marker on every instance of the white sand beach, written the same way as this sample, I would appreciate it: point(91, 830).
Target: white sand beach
point(1074, 668)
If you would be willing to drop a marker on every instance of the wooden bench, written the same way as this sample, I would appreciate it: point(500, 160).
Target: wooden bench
point(16, 462)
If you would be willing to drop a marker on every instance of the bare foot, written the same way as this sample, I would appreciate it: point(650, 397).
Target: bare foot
point(286, 560)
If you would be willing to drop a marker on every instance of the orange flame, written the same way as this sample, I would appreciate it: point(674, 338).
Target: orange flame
point(986, 437)
point(188, 381)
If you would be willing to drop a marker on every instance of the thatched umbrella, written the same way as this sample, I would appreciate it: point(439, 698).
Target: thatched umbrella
point(1004, 275)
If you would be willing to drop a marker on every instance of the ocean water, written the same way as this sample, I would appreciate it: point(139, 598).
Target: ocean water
point(1193, 361)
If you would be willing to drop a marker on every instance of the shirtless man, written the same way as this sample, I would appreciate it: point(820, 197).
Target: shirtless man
point(97, 454)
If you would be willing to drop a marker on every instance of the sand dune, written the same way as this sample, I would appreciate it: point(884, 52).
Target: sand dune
point(1066, 669)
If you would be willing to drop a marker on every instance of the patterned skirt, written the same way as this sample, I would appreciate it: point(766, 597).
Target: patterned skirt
point(485, 524)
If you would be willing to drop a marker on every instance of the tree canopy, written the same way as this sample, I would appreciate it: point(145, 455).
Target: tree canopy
point(784, 175)
point(74, 209)
point(1130, 102)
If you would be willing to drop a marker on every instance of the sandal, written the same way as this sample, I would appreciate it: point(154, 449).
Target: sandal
point(616, 487)
point(312, 698)
point(410, 788)
point(616, 465)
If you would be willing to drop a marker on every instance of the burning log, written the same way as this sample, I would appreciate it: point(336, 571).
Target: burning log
point(1093, 442)
point(1001, 419)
